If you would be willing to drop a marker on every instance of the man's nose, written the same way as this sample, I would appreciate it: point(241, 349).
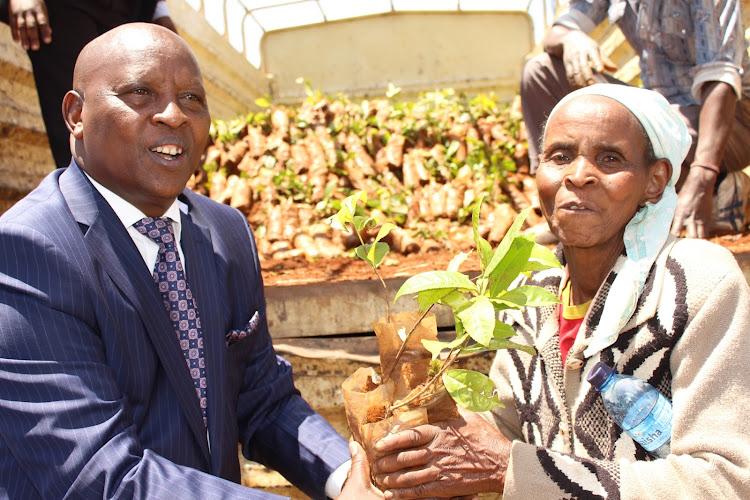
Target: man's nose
point(171, 114)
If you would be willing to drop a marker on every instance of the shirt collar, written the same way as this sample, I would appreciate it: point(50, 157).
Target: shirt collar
point(129, 214)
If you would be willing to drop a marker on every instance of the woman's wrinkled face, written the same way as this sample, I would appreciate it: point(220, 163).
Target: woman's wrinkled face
point(592, 175)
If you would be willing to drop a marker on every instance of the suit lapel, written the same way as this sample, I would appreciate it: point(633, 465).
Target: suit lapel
point(199, 260)
point(113, 248)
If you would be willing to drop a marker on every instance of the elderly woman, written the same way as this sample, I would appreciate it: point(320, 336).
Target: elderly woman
point(675, 313)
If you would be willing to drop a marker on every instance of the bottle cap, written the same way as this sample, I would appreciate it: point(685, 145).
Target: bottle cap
point(599, 374)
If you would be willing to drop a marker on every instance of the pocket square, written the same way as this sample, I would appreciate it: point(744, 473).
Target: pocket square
point(236, 335)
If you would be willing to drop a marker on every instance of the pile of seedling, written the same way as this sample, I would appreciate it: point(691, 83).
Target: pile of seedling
point(423, 164)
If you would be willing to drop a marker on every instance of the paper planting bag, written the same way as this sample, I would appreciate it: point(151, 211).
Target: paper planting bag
point(368, 395)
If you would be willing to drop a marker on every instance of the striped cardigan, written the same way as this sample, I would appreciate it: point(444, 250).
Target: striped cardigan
point(689, 337)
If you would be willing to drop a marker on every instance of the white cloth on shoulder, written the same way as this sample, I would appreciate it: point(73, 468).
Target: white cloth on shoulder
point(648, 230)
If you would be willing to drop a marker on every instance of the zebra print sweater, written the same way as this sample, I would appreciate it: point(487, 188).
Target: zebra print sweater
point(689, 337)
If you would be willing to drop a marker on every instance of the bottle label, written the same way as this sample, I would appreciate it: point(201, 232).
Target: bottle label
point(656, 428)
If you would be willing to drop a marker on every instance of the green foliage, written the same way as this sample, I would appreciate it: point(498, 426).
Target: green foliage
point(472, 390)
point(476, 303)
point(349, 218)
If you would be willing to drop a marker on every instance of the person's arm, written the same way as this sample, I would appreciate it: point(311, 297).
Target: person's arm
point(568, 39)
point(29, 23)
point(717, 85)
point(581, 55)
point(277, 426)
point(695, 201)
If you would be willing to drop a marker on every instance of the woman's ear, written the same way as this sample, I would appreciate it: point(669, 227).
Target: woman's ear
point(72, 108)
point(658, 178)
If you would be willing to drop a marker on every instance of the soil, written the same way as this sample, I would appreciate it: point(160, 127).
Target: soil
point(298, 270)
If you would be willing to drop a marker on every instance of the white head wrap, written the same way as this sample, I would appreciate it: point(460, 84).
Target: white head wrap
point(648, 230)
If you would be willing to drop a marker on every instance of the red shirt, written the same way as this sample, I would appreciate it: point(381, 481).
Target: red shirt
point(570, 318)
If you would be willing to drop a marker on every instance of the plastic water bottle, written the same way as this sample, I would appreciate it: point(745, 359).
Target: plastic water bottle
point(639, 409)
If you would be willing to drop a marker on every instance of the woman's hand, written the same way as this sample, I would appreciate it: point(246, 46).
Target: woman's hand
point(358, 485)
point(29, 23)
point(454, 458)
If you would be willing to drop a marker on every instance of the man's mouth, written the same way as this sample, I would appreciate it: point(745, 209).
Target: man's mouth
point(169, 151)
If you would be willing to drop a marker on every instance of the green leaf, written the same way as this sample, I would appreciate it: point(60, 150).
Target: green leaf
point(452, 148)
point(392, 91)
point(436, 347)
point(510, 266)
point(472, 390)
point(484, 250)
point(435, 279)
point(502, 331)
point(378, 251)
point(496, 344)
point(507, 242)
point(384, 230)
point(542, 258)
point(455, 300)
point(456, 261)
point(263, 102)
point(361, 222)
point(335, 221)
point(426, 298)
point(529, 296)
point(479, 319)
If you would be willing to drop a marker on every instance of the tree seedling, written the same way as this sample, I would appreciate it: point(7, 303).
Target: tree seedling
point(475, 302)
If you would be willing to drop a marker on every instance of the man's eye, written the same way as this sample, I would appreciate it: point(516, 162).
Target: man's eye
point(141, 91)
point(194, 97)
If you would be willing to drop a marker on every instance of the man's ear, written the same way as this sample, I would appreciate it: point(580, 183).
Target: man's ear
point(658, 178)
point(72, 108)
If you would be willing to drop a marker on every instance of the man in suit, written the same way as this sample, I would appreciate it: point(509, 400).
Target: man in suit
point(53, 32)
point(123, 373)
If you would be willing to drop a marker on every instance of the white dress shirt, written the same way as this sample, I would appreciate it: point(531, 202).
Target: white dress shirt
point(129, 215)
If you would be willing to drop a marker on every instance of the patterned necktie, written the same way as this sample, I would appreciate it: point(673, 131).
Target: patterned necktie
point(169, 276)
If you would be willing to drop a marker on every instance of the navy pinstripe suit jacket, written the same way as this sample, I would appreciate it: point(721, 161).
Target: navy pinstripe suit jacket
point(95, 396)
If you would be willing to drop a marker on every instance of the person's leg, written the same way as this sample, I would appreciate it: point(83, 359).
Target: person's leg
point(543, 84)
point(72, 28)
point(53, 72)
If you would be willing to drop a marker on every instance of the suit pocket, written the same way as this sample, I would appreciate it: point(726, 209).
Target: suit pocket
point(234, 336)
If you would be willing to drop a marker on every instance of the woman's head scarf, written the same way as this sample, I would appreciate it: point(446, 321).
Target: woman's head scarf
point(648, 230)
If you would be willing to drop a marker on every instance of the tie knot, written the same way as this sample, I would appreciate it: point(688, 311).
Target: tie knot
point(159, 229)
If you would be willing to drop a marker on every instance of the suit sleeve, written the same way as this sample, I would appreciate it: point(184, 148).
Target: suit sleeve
point(66, 431)
point(277, 427)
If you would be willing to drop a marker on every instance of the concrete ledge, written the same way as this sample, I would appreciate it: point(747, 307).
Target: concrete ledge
point(323, 309)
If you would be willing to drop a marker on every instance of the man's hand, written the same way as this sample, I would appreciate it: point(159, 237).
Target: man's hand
point(583, 57)
point(358, 485)
point(449, 459)
point(29, 23)
point(695, 204)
